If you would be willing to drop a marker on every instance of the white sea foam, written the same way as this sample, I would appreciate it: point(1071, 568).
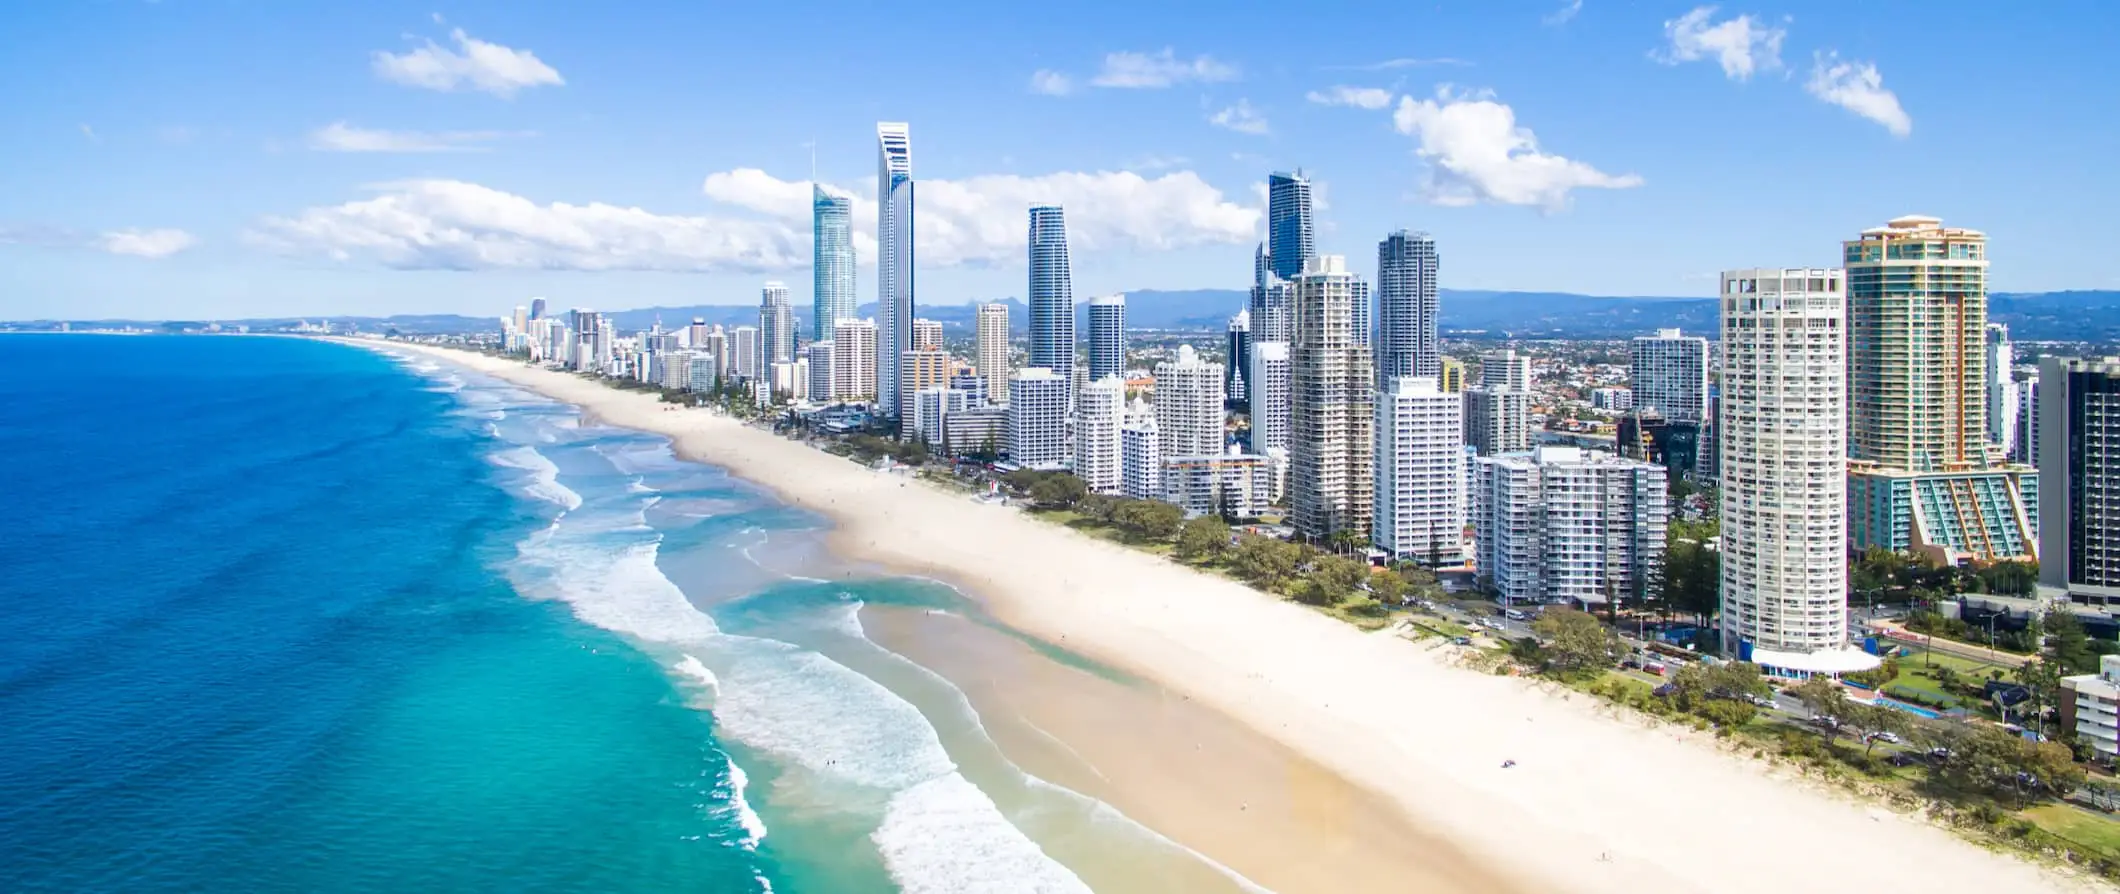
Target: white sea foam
point(639, 485)
point(816, 712)
point(691, 667)
point(754, 828)
point(544, 476)
point(946, 836)
point(614, 586)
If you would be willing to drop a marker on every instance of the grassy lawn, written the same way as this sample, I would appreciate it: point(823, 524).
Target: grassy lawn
point(2085, 828)
point(1101, 531)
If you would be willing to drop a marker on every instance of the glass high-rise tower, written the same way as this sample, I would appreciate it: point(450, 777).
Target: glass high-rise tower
point(1407, 307)
point(1290, 236)
point(832, 262)
point(894, 259)
point(1107, 336)
point(1052, 301)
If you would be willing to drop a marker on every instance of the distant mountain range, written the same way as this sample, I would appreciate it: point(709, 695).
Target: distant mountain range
point(2076, 316)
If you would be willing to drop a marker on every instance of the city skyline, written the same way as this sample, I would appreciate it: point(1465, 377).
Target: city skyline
point(352, 180)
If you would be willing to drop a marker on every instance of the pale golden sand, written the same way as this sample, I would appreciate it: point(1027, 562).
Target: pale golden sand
point(1593, 804)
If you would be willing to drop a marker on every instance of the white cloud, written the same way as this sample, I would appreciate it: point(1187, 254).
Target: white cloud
point(342, 137)
point(1564, 14)
point(1163, 69)
point(145, 243)
point(475, 64)
point(1371, 98)
point(763, 225)
point(1395, 64)
point(1859, 88)
point(90, 133)
point(1051, 83)
point(1477, 153)
point(1241, 118)
point(1742, 45)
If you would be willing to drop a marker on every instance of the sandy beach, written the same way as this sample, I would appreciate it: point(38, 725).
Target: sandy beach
point(1594, 803)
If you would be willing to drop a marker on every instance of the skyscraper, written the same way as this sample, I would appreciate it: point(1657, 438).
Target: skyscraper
point(819, 353)
point(993, 350)
point(537, 308)
point(1099, 413)
point(1290, 234)
point(1269, 382)
point(1506, 367)
point(832, 261)
point(2001, 389)
point(1670, 374)
point(1922, 475)
point(1239, 351)
point(1330, 441)
point(1407, 308)
point(1783, 434)
point(776, 326)
point(1107, 337)
point(1268, 310)
point(1052, 297)
point(2079, 477)
point(1497, 419)
point(1420, 472)
point(696, 335)
point(894, 258)
point(744, 343)
point(1140, 454)
point(1189, 413)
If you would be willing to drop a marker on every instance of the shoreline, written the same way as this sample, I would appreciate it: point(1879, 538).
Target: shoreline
point(1594, 803)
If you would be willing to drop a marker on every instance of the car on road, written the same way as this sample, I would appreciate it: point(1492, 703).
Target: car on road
point(1887, 736)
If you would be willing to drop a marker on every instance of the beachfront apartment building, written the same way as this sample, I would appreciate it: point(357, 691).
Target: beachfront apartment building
point(1781, 429)
point(1051, 295)
point(975, 430)
point(1669, 374)
point(819, 355)
point(1189, 411)
point(1232, 484)
point(1267, 381)
point(743, 343)
point(1100, 413)
point(932, 407)
point(1562, 524)
point(991, 343)
point(1330, 396)
point(1408, 308)
point(2090, 706)
point(919, 370)
point(1140, 454)
point(1037, 419)
point(776, 326)
point(2079, 477)
point(1419, 513)
point(854, 360)
point(1923, 474)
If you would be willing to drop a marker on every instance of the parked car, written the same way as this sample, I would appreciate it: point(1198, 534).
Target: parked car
point(1886, 736)
point(1655, 667)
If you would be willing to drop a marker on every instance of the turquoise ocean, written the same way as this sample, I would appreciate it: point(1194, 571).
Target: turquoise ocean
point(284, 615)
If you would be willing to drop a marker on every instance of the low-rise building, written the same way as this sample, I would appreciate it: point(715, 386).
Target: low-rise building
point(2092, 707)
point(1236, 485)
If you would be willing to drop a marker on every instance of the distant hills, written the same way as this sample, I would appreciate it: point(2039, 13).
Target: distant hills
point(2075, 316)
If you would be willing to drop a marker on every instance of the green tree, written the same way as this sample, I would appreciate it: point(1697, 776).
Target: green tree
point(1869, 721)
point(1338, 575)
point(1574, 642)
point(1825, 698)
point(1099, 507)
point(1058, 491)
point(2067, 645)
point(1203, 539)
point(1148, 519)
point(1692, 573)
point(1264, 561)
point(1388, 589)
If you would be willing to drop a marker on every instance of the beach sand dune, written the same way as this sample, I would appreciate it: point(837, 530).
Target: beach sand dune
point(1595, 801)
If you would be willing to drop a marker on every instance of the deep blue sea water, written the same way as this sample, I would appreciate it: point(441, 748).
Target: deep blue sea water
point(281, 615)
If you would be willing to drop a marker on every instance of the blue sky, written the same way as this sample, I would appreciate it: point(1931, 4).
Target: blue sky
point(191, 159)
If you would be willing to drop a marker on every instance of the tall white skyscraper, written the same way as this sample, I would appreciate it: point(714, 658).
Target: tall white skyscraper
point(1670, 373)
point(1052, 301)
point(1189, 411)
point(1269, 383)
point(1330, 442)
point(927, 335)
point(776, 326)
point(1783, 437)
point(1100, 412)
point(992, 346)
point(1408, 306)
point(744, 343)
point(854, 360)
point(831, 262)
point(1037, 418)
point(1419, 513)
point(894, 258)
point(1107, 336)
point(1566, 523)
